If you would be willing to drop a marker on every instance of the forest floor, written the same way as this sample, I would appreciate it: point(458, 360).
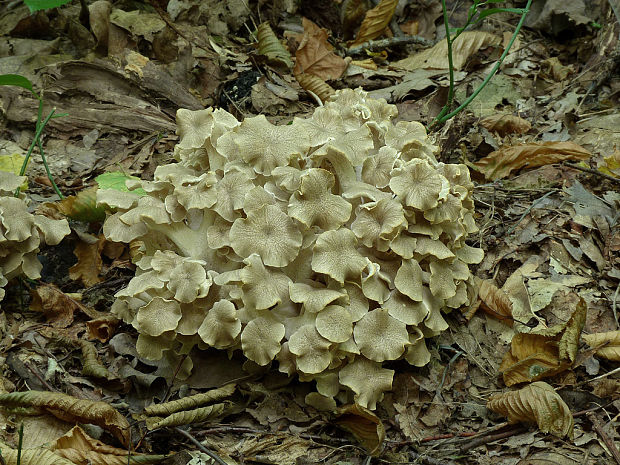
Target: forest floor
point(542, 141)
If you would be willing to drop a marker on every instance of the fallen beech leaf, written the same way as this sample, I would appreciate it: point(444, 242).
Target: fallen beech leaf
point(375, 22)
point(611, 341)
point(80, 448)
point(188, 417)
point(315, 54)
point(506, 124)
point(36, 456)
point(463, 47)
point(57, 306)
point(544, 353)
point(531, 357)
point(71, 409)
point(102, 328)
point(364, 425)
point(89, 262)
point(502, 162)
point(82, 207)
point(271, 47)
point(191, 402)
point(316, 85)
point(612, 164)
point(537, 403)
point(495, 301)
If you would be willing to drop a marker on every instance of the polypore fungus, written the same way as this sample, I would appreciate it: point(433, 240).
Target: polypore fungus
point(331, 245)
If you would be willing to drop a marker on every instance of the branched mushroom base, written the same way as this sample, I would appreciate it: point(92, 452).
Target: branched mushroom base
point(330, 245)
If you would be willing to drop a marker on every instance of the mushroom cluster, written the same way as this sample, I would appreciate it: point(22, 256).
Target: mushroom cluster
point(21, 233)
point(330, 245)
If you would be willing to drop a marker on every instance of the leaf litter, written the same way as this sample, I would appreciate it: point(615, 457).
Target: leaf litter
point(542, 138)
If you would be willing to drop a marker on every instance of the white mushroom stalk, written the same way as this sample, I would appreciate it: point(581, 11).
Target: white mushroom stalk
point(329, 246)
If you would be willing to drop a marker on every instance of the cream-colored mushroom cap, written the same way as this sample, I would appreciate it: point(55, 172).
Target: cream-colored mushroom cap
point(262, 287)
point(158, 316)
point(269, 232)
point(311, 349)
point(334, 323)
point(419, 185)
point(335, 254)
point(221, 325)
point(260, 339)
point(368, 380)
point(315, 205)
point(314, 297)
point(381, 337)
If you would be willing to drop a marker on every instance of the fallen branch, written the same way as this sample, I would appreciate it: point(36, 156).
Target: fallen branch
point(598, 427)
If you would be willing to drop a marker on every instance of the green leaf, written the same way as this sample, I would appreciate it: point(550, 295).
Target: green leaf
point(116, 180)
point(36, 5)
point(492, 11)
point(17, 80)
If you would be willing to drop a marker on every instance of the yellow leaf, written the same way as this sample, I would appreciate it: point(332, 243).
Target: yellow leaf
point(271, 47)
point(13, 164)
point(537, 403)
point(610, 342)
point(502, 162)
point(463, 47)
point(364, 425)
point(375, 22)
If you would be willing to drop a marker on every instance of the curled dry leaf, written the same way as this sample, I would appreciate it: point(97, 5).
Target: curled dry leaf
point(91, 366)
point(502, 162)
point(463, 47)
point(191, 402)
point(315, 55)
point(537, 403)
point(504, 124)
point(58, 307)
point(364, 425)
point(375, 22)
point(495, 301)
point(316, 85)
point(79, 448)
point(271, 47)
point(544, 353)
point(187, 417)
point(89, 262)
point(608, 342)
point(82, 207)
point(71, 409)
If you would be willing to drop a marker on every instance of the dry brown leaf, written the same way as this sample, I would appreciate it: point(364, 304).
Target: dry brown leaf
point(553, 68)
point(364, 425)
point(188, 417)
point(502, 162)
point(82, 207)
point(531, 357)
point(81, 449)
point(72, 410)
point(375, 22)
point(544, 353)
point(537, 403)
point(102, 328)
point(610, 342)
point(316, 85)
point(495, 301)
point(191, 402)
point(271, 47)
point(88, 266)
point(351, 14)
point(506, 124)
point(463, 47)
point(36, 456)
point(58, 307)
point(315, 54)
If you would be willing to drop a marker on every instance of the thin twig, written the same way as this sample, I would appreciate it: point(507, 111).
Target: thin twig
point(591, 171)
point(198, 444)
point(378, 45)
point(174, 377)
point(598, 427)
point(39, 377)
point(613, 306)
point(428, 460)
point(494, 437)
